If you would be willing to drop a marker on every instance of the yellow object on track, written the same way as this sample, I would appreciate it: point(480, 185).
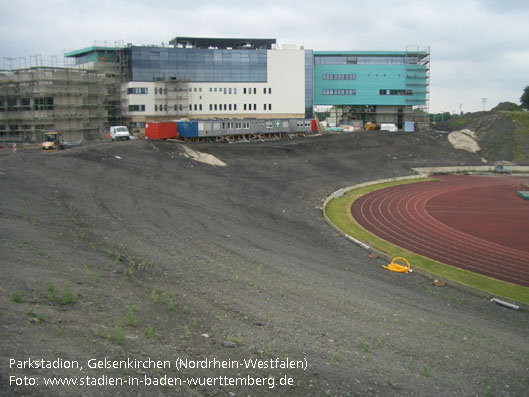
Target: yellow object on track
point(395, 267)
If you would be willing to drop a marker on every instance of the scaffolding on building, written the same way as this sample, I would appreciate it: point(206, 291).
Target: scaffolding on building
point(417, 63)
point(40, 99)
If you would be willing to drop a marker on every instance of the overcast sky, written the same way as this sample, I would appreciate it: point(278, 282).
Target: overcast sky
point(479, 48)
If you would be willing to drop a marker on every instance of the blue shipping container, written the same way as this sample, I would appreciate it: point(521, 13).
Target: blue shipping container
point(409, 126)
point(187, 129)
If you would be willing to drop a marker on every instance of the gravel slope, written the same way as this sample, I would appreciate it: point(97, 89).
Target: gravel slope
point(194, 261)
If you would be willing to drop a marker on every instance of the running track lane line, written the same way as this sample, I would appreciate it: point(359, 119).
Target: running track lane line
point(399, 215)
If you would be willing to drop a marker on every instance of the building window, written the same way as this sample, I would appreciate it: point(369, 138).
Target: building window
point(339, 76)
point(224, 90)
point(396, 92)
point(210, 107)
point(339, 92)
point(215, 107)
point(138, 90)
point(254, 106)
point(200, 107)
point(40, 104)
point(210, 89)
point(244, 91)
point(25, 103)
point(235, 90)
point(264, 90)
point(155, 108)
point(229, 92)
point(235, 106)
point(264, 106)
point(269, 106)
point(136, 108)
point(255, 90)
point(244, 106)
point(270, 90)
point(225, 107)
point(229, 108)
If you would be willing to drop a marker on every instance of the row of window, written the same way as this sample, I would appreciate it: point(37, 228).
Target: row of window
point(139, 90)
point(13, 104)
point(396, 92)
point(198, 107)
point(136, 108)
point(225, 90)
point(339, 92)
point(339, 77)
point(229, 107)
point(363, 60)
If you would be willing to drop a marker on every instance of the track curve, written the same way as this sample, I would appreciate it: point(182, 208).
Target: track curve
point(476, 223)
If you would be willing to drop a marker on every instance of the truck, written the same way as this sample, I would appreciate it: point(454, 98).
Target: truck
point(119, 132)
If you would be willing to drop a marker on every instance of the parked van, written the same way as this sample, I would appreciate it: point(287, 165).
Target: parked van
point(119, 132)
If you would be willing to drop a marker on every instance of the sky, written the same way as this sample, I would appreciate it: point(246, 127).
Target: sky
point(479, 48)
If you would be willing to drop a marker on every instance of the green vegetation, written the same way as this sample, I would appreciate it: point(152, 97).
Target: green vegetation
point(149, 332)
point(338, 213)
point(116, 336)
point(31, 312)
point(130, 317)
point(66, 298)
point(521, 134)
point(17, 296)
point(524, 99)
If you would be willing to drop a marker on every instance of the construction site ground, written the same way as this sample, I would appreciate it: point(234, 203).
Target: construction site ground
point(138, 250)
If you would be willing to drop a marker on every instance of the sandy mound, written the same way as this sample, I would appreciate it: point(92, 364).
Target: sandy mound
point(203, 157)
point(464, 140)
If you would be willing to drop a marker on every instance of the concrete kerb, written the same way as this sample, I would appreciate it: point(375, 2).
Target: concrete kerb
point(421, 173)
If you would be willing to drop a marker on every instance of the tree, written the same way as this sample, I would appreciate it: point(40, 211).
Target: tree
point(524, 99)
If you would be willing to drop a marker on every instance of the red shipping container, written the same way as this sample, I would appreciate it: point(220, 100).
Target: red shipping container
point(161, 130)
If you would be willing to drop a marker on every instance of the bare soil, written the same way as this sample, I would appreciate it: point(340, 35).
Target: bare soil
point(166, 257)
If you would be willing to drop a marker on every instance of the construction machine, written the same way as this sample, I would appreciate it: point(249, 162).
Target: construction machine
point(53, 141)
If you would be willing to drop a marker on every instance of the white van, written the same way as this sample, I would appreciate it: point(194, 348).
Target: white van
point(119, 132)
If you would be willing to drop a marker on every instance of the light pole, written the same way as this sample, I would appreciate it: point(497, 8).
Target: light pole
point(483, 101)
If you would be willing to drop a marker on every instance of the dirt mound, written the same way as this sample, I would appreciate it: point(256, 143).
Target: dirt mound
point(506, 107)
point(129, 250)
point(495, 132)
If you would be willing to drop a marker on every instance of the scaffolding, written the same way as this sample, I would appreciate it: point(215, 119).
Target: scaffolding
point(40, 99)
point(417, 63)
point(171, 101)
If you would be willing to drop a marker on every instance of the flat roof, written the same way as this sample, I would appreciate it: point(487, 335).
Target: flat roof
point(87, 50)
point(222, 43)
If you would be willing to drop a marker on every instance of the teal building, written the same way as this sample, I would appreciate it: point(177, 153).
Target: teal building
point(380, 86)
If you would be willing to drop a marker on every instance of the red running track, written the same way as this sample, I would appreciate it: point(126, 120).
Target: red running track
point(477, 223)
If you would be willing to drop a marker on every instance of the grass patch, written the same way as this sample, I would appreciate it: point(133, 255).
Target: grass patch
point(65, 298)
point(17, 296)
point(338, 212)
